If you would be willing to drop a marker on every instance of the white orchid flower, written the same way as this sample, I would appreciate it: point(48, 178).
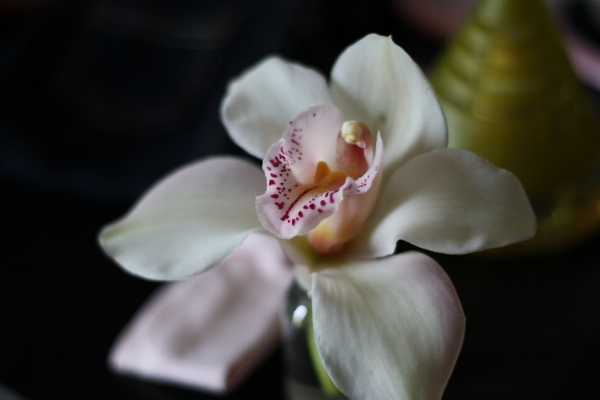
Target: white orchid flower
point(338, 196)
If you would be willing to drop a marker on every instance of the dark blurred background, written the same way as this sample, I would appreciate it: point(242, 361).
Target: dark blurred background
point(98, 99)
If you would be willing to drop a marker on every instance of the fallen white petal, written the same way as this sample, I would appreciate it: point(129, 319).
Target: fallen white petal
point(388, 329)
point(189, 221)
point(449, 201)
point(259, 105)
point(209, 331)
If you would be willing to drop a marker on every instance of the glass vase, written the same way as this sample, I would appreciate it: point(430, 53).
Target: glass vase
point(301, 378)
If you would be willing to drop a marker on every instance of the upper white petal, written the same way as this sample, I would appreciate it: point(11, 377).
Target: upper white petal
point(448, 201)
point(189, 221)
point(259, 105)
point(375, 81)
point(388, 329)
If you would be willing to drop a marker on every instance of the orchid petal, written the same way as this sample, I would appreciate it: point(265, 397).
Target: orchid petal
point(290, 208)
point(259, 104)
point(211, 330)
point(310, 138)
point(388, 329)
point(300, 211)
point(375, 81)
point(448, 201)
point(363, 184)
point(189, 221)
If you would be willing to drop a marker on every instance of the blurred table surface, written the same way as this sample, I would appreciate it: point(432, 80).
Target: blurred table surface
point(533, 325)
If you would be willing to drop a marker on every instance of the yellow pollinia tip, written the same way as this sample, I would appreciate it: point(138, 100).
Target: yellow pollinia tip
point(352, 133)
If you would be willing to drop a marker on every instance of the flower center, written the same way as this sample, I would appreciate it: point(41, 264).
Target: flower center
point(355, 154)
point(322, 179)
point(325, 180)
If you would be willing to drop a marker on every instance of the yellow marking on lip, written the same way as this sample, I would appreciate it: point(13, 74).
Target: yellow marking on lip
point(321, 172)
point(327, 180)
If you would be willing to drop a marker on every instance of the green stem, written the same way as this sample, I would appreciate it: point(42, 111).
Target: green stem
point(327, 385)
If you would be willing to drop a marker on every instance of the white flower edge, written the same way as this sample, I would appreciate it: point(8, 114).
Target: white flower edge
point(388, 329)
point(189, 221)
point(259, 104)
point(448, 201)
point(373, 81)
point(377, 82)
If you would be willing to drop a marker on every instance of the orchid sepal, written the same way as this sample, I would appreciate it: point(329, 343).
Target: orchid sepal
point(388, 329)
point(187, 222)
point(449, 201)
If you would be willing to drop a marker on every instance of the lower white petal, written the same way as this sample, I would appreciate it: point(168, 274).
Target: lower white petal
point(189, 221)
point(448, 201)
point(388, 329)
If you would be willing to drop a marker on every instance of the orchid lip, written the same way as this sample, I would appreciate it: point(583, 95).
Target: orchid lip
point(311, 170)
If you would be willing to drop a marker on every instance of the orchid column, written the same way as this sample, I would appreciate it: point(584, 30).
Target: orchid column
point(349, 168)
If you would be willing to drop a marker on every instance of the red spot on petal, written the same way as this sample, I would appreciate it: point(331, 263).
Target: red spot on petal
point(312, 206)
point(274, 176)
point(271, 182)
point(300, 214)
point(294, 222)
point(323, 202)
point(275, 196)
point(319, 210)
point(280, 205)
point(287, 212)
point(305, 207)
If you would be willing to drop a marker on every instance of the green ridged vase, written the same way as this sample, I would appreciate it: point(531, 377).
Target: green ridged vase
point(510, 95)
